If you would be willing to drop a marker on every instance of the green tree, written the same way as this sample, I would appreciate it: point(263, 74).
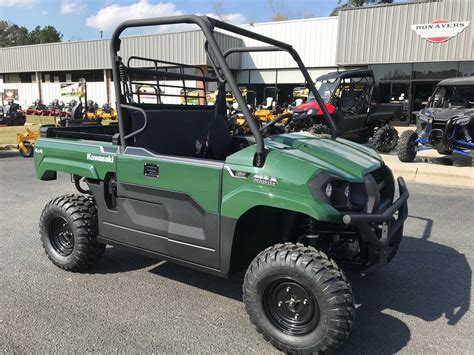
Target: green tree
point(14, 35)
point(356, 3)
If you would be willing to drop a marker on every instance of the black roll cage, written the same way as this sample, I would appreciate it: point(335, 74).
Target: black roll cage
point(219, 64)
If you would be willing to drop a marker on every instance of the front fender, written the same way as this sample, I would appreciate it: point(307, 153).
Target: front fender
point(238, 201)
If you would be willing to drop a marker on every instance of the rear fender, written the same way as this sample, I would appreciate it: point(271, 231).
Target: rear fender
point(51, 164)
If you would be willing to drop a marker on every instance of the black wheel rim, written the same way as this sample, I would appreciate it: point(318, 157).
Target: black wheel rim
point(61, 237)
point(290, 306)
point(387, 139)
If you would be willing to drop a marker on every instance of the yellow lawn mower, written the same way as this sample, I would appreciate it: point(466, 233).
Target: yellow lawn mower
point(26, 142)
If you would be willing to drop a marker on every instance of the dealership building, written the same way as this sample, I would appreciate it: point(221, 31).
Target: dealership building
point(409, 46)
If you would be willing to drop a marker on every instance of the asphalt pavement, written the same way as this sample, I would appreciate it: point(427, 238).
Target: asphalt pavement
point(420, 303)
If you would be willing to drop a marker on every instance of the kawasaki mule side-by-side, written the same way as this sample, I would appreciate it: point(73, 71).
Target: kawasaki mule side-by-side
point(171, 182)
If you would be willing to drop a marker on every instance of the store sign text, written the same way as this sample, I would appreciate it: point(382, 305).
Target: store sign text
point(440, 30)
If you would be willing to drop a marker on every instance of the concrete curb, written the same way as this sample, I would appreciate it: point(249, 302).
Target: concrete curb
point(8, 147)
point(431, 173)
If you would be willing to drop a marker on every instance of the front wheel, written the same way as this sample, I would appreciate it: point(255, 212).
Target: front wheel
point(385, 139)
point(68, 229)
point(407, 146)
point(298, 299)
point(29, 150)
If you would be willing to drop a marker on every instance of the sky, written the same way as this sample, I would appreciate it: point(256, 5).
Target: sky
point(84, 19)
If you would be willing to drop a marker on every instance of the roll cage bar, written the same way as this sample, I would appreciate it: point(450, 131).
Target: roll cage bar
point(219, 63)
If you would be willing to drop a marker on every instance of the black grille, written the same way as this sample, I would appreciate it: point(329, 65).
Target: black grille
point(378, 176)
point(385, 185)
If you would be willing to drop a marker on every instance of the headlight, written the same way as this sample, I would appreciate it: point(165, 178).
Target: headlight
point(463, 120)
point(311, 112)
point(341, 194)
point(423, 118)
point(328, 191)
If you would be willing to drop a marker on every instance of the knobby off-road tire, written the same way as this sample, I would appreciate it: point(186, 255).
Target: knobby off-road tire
point(407, 146)
point(320, 129)
point(298, 299)
point(29, 150)
point(68, 229)
point(385, 139)
point(444, 150)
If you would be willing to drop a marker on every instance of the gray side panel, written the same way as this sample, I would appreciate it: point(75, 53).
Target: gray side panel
point(174, 215)
point(183, 230)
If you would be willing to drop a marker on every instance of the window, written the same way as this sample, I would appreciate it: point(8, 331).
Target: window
point(89, 75)
point(392, 71)
point(433, 71)
point(26, 77)
point(53, 77)
point(382, 92)
point(466, 69)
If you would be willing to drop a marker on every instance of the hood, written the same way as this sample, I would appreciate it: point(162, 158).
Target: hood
point(305, 154)
point(313, 105)
point(444, 114)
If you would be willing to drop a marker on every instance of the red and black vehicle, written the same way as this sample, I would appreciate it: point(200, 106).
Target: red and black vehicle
point(348, 98)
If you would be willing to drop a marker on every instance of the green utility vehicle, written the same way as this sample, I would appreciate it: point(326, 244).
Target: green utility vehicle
point(171, 182)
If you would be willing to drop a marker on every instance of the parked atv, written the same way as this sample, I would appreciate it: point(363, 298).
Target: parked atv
point(12, 115)
point(445, 124)
point(347, 96)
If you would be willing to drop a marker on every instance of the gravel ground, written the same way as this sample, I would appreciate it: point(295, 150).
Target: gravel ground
point(420, 303)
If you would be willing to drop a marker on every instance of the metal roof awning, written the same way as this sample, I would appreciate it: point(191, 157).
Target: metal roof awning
point(357, 73)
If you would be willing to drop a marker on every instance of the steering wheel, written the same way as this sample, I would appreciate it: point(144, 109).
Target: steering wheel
point(266, 128)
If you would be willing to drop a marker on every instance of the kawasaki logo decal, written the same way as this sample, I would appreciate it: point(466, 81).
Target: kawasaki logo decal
point(265, 180)
point(101, 158)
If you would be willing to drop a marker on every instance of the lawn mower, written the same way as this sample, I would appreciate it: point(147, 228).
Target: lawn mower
point(73, 114)
point(269, 108)
point(347, 96)
point(25, 142)
point(106, 112)
point(91, 110)
point(36, 108)
point(446, 124)
point(12, 115)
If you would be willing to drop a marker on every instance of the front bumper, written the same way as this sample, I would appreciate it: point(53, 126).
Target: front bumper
point(384, 245)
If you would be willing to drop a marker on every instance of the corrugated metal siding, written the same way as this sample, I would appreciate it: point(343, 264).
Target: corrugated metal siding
point(226, 42)
point(383, 34)
point(56, 56)
point(314, 39)
point(185, 47)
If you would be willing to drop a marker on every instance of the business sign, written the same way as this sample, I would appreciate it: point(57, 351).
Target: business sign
point(440, 30)
point(10, 94)
point(72, 90)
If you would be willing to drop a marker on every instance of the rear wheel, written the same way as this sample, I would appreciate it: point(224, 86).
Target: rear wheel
point(29, 150)
point(298, 299)
point(444, 150)
point(385, 139)
point(407, 146)
point(320, 129)
point(68, 228)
